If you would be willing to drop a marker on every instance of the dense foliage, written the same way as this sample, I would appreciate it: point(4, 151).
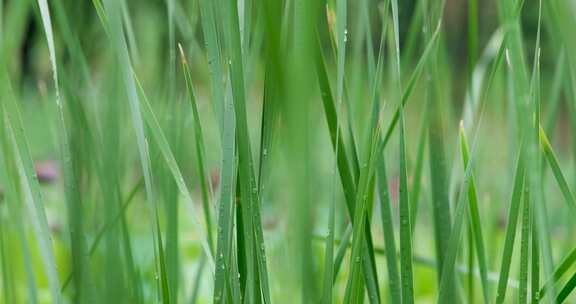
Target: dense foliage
point(287, 151)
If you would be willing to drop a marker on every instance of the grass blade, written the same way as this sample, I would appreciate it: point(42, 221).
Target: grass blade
point(510, 230)
point(33, 201)
point(342, 32)
point(440, 179)
point(354, 286)
point(474, 217)
point(205, 185)
point(211, 34)
point(567, 289)
point(341, 252)
point(327, 293)
point(70, 177)
point(226, 208)
point(11, 199)
point(254, 237)
point(7, 280)
point(224, 109)
point(418, 170)
point(11, 122)
point(388, 228)
point(555, 166)
point(405, 224)
point(535, 280)
point(524, 249)
point(562, 268)
point(165, 286)
point(447, 279)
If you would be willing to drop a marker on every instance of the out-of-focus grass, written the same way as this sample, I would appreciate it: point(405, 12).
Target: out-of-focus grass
point(243, 151)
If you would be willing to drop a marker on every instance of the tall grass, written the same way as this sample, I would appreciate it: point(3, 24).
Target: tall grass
point(296, 151)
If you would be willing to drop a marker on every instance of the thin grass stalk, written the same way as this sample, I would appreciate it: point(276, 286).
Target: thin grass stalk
point(560, 271)
point(11, 122)
point(7, 271)
point(205, 183)
point(208, 13)
point(535, 267)
point(406, 271)
point(342, 32)
point(474, 220)
point(447, 272)
point(417, 175)
point(250, 195)
point(524, 248)
point(354, 285)
point(472, 57)
point(388, 228)
point(226, 210)
point(512, 221)
point(567, 289)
